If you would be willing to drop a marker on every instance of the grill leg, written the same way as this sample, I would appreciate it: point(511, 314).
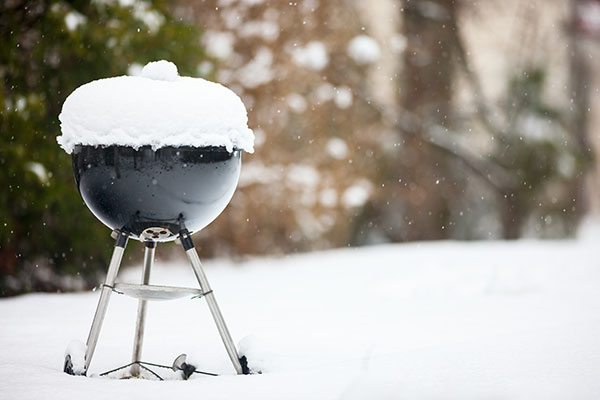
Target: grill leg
point(111, 275)
point(141, 313)
point(190, 251)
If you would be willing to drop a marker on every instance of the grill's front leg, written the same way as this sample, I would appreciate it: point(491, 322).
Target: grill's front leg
point(190, 251)
point(107, 287)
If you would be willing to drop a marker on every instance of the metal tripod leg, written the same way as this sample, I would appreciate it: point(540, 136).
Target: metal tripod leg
point(141, 313)
point(190, 251)
point(111, 275)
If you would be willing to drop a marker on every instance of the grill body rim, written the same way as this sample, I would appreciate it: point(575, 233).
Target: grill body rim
point(160, 191)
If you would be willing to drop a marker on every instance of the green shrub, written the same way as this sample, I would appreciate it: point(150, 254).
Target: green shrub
point(48, 49)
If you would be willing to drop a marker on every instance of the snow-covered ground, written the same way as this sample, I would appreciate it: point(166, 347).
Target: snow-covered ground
point(496, 320)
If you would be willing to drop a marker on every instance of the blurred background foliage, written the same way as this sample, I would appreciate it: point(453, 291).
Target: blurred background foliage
point(376, 122)
point(48, 49)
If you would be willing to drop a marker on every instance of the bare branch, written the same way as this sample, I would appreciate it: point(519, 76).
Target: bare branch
point(482, 109)
point(445, 141)
point(448, 142)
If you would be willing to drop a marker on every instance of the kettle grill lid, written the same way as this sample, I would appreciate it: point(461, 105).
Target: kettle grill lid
point(158, 108)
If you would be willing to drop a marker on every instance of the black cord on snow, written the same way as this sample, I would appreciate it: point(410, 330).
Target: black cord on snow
point(143, 364)
point(129, 365)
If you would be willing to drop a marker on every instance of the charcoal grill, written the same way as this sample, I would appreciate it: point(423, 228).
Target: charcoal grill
point(153, 195)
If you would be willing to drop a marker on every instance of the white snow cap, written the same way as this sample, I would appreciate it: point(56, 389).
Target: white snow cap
point(159, 108)
point(161, 71)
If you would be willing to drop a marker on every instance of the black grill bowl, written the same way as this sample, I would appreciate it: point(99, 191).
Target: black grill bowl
point(172, 187)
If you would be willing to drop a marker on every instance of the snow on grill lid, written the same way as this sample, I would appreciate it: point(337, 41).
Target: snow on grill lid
point(158, 108)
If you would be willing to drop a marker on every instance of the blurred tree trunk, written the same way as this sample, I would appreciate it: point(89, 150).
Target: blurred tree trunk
point(512, 215)
point(426, 94)
point(580, 97)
